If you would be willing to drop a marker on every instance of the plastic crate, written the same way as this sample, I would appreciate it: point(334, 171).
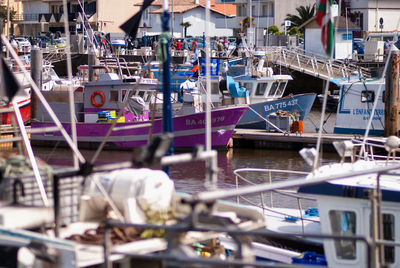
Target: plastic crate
point(282, 122)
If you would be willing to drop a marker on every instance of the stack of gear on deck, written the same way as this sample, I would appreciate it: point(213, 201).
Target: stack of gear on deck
point(139, 194)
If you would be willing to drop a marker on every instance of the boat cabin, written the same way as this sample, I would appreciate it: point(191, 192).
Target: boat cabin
point(356, 101)
point(264, 88)
point(345, 210)
point(236, 90)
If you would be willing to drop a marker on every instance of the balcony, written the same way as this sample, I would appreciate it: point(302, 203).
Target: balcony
point(26, 17)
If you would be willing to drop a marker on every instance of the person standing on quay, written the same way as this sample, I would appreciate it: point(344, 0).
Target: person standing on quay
point(179, 45)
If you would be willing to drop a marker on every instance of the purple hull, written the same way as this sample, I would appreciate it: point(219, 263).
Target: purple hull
point(189, 130)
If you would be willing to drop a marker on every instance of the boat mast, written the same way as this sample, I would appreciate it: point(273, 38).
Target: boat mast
point(70, 89)
point(167, 106)
point(8, 26)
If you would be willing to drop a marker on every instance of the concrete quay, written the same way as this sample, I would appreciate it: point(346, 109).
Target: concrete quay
point(259, 138)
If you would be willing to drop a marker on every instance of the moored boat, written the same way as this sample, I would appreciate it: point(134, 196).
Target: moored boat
point(134, 128)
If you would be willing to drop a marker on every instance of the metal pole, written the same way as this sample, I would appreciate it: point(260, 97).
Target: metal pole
point(70, 89)
point(167, 106)
point(8, 25)
point(31, 156)
point(172, 19)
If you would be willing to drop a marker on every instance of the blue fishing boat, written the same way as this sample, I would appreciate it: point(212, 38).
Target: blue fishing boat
point(263, 95)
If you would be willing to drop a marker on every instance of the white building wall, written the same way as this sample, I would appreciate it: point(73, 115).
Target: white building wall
point(312, 41)
point(343, 48)
point(373, 10)
point(284, 7)
point(196, 17)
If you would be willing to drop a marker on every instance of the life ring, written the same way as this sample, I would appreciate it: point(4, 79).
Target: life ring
point(94, 94)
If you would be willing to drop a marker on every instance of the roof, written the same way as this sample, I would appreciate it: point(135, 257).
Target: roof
point(182, 6)
point(339, 23)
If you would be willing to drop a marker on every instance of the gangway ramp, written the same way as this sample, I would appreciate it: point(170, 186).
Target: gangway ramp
point(312, 64)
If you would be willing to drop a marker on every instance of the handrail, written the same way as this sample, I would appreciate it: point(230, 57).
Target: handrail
point(263, 206)
point(307, 62)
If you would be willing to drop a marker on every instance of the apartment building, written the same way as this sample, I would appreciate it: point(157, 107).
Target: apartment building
point(264, 13)
point(15, 6)
point(47, 15)
point(191, 12)
point(368, 14)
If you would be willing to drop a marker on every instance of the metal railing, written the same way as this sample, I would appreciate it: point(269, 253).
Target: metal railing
point(313, 64)
point(270, 173)
point(25, 17)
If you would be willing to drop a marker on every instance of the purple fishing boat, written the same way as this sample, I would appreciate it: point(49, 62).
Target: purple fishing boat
point(97, 105)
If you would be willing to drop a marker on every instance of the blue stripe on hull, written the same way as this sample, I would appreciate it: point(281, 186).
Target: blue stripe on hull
point(330, 189)
point(341, 130)
point(301, 103)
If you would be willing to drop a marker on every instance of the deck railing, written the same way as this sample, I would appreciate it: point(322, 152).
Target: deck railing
point(270, 174)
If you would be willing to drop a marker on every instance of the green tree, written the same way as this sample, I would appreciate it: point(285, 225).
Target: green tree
point(185, 25)
point(304, 13)
point(246, 23)
point(273, 29)
point(294, 30)
point(3, 13)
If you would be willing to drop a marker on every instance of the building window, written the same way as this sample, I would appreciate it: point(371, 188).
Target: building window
point(241, 11)
point(358, 20)
point(267, 10)
point(343, 223)
point(54, 9)
point(146, 14)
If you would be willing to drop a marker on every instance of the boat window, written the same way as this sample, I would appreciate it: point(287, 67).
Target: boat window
point(388, 234)
point(261, 87)
point(367, 96)
point(343, 223)
point(383, 96)
point(281, 89)
point(113, 95)
point(141, 94)
point(147, 97)
point(273, 89)
point(248, 86)
point(123, 93)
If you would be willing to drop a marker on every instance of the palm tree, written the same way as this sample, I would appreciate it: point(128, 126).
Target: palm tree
point(304, 13)
point(185, 25)
point(246, 23)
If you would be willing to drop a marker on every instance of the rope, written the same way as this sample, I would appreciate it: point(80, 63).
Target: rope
point(266, 120)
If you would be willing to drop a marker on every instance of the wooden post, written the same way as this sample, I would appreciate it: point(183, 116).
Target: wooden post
point(392, 96)
point(36, 73)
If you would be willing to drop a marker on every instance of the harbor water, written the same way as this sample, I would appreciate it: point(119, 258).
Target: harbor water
point(190, 178)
